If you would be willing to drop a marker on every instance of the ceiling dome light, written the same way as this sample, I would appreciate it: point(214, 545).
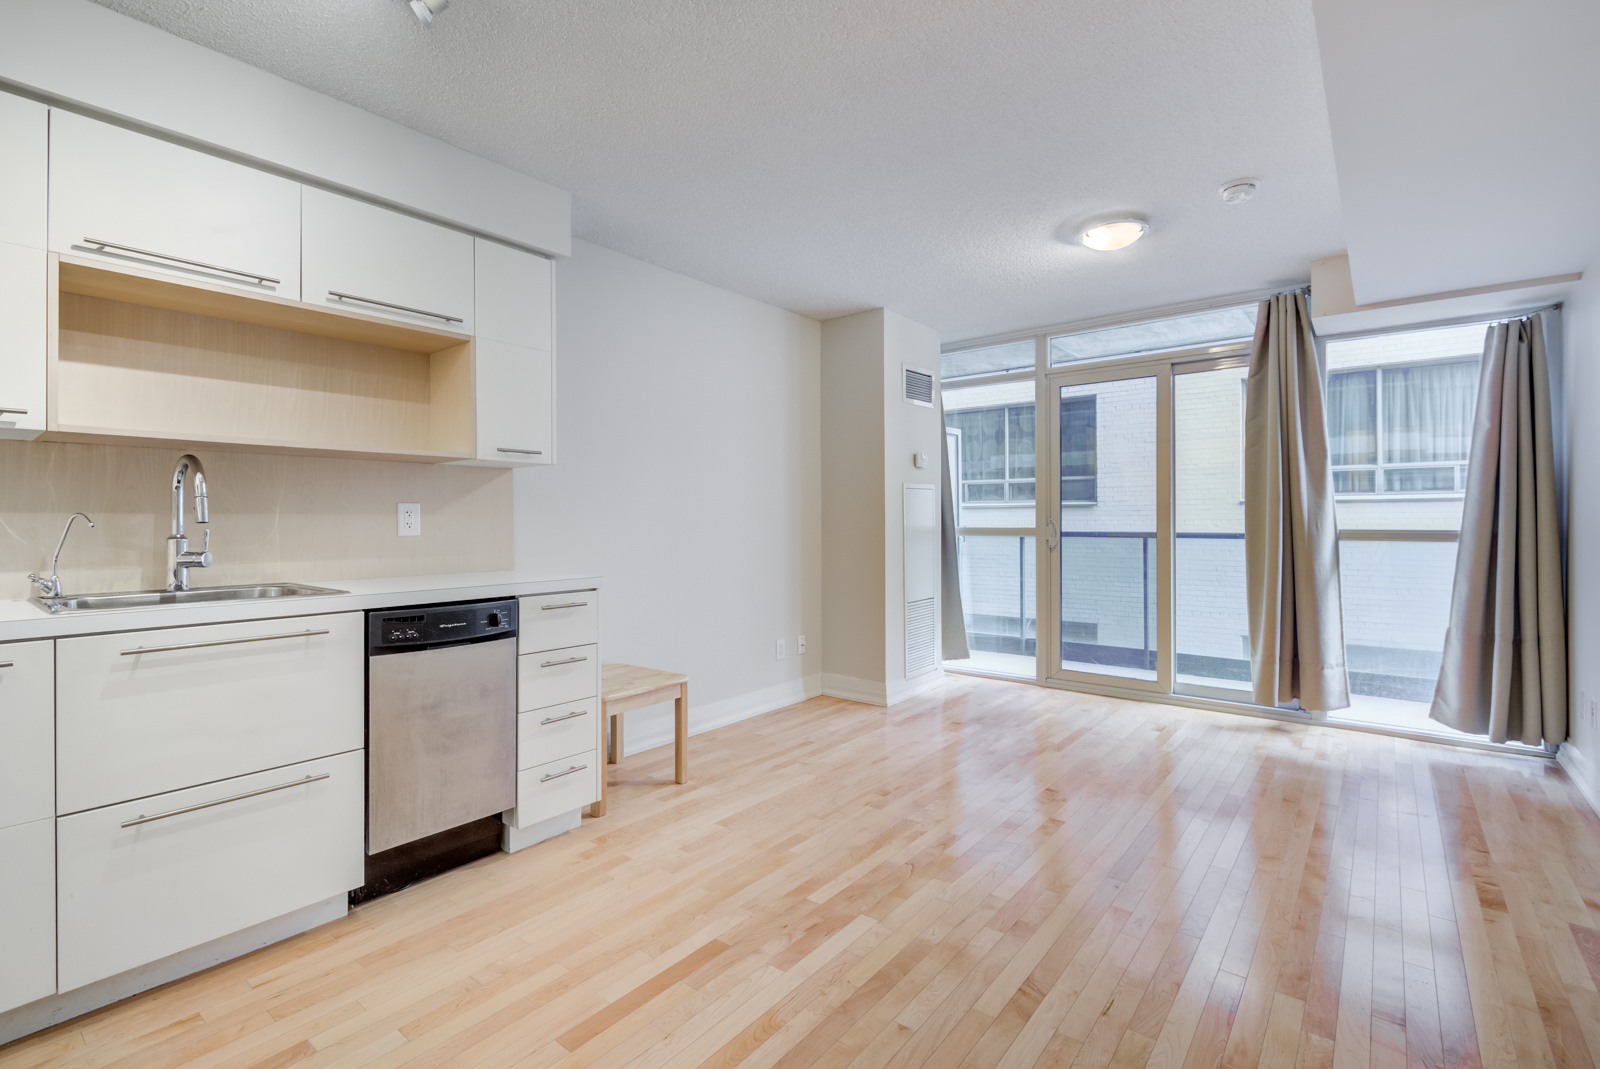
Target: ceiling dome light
point(1113, 234)
point(425, 10)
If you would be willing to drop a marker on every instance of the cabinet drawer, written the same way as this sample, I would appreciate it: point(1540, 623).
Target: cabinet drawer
point(27, 732)
point(242, 697)
point(172, 209)
point(384, 263)
point(557, 787)
point(27, 913)
point(216, 859)
point(557, 677)
point(558, 621)
point(546, 734)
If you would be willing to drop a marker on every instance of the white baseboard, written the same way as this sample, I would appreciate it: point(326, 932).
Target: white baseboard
point(901, 689)
point(646, 731)
point(1581, 769)
point(25, 1020)
point(857, 690)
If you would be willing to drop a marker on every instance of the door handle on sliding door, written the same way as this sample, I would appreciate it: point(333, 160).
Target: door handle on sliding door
point(1052, 535)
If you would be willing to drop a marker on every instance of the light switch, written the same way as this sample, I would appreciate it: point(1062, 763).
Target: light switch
point(919, 459)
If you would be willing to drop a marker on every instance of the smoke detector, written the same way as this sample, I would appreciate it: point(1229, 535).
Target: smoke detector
point(1239, 190)
point(425, 10)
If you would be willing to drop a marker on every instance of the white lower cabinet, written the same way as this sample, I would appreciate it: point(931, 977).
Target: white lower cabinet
point(557, 787)
point(556, 677)
point(561, 730)
point(27, 732)
point(144, 879)
point(143, 712)
point(27, 913)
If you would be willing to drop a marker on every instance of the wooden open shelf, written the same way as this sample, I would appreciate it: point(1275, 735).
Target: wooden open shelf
point(134, 356)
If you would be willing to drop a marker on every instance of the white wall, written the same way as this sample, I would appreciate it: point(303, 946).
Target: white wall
point(690, 478)
point(1580, 327)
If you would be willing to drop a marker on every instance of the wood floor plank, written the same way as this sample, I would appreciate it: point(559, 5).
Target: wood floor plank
point(990, 875)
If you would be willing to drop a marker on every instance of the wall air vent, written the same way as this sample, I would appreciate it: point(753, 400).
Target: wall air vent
point(922, 640)
point(918, 386)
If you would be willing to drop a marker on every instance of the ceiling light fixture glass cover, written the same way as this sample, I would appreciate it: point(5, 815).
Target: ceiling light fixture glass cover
point(1113, 234)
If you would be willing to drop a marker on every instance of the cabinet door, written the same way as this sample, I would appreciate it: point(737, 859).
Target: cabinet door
point(22, 340)
point(25, 133)
point(171, 209)
point(369, 259)
point(548, 790)
point(27, 732)
point(513, 295)
point(213, 860)
point(516, 417)
point(27, 913)
point(143, 712)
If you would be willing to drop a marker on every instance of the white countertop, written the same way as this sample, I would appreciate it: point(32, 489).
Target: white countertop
point(28, 620)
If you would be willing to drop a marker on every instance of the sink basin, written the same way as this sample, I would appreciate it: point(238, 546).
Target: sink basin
point(139, 599)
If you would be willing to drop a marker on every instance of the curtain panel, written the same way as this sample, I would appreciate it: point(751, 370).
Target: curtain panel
point(952, 614)
point(1504, 671)
point(1291, 535)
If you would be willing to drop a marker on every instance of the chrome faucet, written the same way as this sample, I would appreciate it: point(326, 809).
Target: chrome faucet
point(51, 587)
point(179, 557)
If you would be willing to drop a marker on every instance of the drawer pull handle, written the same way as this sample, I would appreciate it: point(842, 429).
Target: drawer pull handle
point(13, 411)
point(104, 245)
point(142, 819)
point(564, 605)
point(336, 295)
point(525, 452)
point(569, 660)
point(7, 664)
point(558, 775)
point(220, 642)
point(542, 723)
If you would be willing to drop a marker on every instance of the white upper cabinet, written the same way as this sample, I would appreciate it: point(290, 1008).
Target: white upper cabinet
point(25, 133)
point(515, 404)
point(22, 340)
point(127, 199)
point(513, 295)
point(368, 259)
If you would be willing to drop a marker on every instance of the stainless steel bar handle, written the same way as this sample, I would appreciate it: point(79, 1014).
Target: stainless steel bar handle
point(397, 307)
point(569, 660)
point(104, 245)
point(142, 819)
point(13, 411)
point(525, 452)
point(221, 642)
point(564, 605)
point(542, 723)
point(558, 775)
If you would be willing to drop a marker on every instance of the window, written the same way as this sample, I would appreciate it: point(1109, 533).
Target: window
point(996, 453)
point(1079, 462)
point(1402, 429)
point(990, 360)
point(1158, 335)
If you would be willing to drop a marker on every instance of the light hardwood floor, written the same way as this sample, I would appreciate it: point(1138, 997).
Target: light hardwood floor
point(991, 875)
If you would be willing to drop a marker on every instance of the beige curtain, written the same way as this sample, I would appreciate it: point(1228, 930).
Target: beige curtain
point(1504, 672)
point(952, 617)
point(1291, 536)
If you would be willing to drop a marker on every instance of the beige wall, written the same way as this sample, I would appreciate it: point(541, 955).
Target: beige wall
point(1580, 365)
point(309, 519)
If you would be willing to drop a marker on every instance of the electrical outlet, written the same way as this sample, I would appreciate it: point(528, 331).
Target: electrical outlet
point(800, 646)
point(410, 518)
point(782, 652)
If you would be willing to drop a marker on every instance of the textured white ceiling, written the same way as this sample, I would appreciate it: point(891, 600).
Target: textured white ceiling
point(1468, 134)
point(833, 155)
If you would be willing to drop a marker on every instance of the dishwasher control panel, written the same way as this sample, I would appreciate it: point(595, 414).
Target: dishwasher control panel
point(438, 624)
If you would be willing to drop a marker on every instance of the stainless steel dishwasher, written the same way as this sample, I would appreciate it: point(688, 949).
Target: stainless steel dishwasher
point(441, 738)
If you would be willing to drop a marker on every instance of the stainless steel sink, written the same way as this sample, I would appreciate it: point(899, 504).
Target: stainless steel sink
point(139, 599)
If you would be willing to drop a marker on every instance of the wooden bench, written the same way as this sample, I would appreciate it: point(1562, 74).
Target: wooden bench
point(624, 687)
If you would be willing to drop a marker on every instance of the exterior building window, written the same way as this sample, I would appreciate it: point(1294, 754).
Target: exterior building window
point(1402, 429)
point(996, 453)
point(1079, 462)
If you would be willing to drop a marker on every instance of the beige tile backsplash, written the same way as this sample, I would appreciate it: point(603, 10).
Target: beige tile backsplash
point(273, 518)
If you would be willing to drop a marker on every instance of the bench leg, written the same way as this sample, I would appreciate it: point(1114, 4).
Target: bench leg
point(681, 743)
point(614, 744)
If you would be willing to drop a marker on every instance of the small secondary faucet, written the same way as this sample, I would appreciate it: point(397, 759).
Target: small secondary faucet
point(179, 557)
point(51, 587)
